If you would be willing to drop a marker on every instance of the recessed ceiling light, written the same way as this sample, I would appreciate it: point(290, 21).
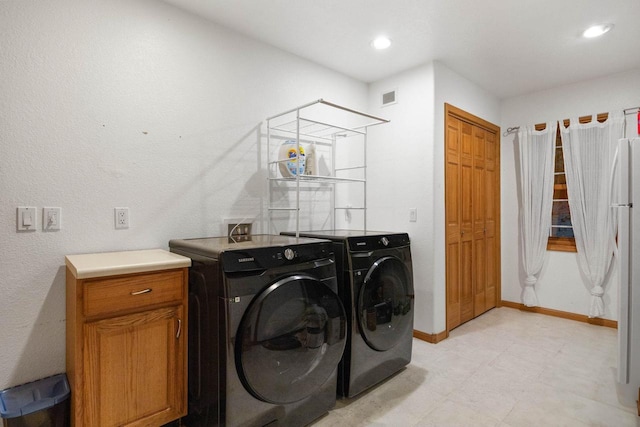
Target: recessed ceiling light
point(381, 42)
point(597, 30)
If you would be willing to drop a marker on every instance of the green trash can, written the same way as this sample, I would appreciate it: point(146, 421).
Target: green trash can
point(41, 403)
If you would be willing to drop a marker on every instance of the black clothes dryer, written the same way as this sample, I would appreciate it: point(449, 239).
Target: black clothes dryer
point(266, 330)
point(376, 287)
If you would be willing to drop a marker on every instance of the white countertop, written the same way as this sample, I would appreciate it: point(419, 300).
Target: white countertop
point(86, 266)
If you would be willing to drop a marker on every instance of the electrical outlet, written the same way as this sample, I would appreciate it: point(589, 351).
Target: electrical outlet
point(122, 217)
point(242, 229)
point(239, 232)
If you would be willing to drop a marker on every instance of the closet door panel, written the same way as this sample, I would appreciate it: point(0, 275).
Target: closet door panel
point(491, 219)
point(479, 208)
point(453, 285)
point(492, 274)
point(453, 223)
point(466, 280)
point(466, 232)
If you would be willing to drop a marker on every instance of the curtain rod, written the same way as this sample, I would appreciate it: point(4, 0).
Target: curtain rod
point(626, 111)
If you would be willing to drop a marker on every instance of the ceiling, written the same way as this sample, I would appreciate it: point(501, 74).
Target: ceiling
point(508, 47)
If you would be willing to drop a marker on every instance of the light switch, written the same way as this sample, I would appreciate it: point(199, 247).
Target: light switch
point(26, 218)
point(413, 214)
point(51, 219)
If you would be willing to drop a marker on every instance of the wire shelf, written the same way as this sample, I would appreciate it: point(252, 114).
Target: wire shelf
point(325, 124)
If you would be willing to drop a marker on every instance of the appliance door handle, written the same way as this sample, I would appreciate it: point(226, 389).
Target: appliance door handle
point(615, 167)
point(366, 254)
point(323, 262)
point(246, 273)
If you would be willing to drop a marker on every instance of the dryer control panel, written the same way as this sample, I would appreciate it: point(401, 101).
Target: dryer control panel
point(372, 243)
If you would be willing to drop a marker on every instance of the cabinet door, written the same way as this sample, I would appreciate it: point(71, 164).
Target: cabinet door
point(134, 369)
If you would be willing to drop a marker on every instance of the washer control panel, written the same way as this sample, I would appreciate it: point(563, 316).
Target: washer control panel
point(258, 259)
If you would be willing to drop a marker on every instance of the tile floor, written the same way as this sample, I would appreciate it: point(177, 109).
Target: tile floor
point(506, 368)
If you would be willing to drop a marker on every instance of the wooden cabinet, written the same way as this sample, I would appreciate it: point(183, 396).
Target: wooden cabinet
point(126, 346)
point(472, 208)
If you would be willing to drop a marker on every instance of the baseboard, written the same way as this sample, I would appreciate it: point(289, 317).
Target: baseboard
point(563, 314)
point(430, 338)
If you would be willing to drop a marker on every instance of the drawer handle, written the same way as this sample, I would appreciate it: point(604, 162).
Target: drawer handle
point(144, 291)
point(179, 329)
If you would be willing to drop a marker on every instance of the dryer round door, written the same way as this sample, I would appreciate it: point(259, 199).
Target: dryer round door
point(290, 340)
point(384, 310)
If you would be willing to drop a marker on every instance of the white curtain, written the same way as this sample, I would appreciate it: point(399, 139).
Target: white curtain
point(589, 150)
point(536, 152)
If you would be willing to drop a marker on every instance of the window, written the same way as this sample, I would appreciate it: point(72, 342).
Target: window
point(561, 236)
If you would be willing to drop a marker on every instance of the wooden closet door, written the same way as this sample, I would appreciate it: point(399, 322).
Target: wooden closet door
point(479, 257)
point(485, 213)
point(452, 219)
point(459, 221)
point(466, 224)
point(492, 207)
point(472, 216)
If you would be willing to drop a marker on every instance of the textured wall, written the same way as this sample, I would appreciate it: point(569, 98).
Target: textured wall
point(125, 103)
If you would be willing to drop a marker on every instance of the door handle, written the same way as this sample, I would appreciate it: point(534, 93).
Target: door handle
point(179, 329)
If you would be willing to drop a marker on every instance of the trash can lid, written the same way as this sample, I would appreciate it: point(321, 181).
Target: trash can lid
point(34, 396)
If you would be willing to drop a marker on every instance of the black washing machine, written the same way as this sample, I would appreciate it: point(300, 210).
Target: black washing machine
point(376, 287)
point(266, 330)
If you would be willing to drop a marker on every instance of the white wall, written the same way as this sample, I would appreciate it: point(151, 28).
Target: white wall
point(410, 153)
point(399, 175)
point(561, 286)
point(125, 103)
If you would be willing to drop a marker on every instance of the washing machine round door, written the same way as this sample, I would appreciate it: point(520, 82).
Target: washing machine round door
point(290, 340)
point(385, 304)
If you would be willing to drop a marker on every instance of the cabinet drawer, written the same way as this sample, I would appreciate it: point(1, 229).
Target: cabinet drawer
point(109, 295)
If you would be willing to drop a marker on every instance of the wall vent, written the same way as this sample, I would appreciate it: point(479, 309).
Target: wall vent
point(389, 98)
